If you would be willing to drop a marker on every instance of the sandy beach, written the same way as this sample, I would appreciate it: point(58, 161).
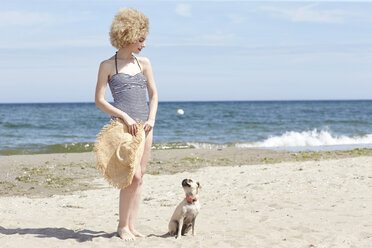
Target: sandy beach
point(250, 198)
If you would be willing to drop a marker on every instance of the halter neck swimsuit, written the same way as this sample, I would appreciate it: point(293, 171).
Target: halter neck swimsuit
point(129, 93)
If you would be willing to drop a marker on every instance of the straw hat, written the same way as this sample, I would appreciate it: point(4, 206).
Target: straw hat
point(119, 153)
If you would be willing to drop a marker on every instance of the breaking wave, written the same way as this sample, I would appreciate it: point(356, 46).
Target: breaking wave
point(309, 138)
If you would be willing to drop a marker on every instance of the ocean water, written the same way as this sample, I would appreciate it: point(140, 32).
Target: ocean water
point(283, 125)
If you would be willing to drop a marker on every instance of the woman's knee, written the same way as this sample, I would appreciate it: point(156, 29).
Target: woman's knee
point(146, 154)
point(143, 169)
point(137, 179)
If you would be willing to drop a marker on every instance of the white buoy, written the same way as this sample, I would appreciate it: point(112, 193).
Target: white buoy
point(180, 111)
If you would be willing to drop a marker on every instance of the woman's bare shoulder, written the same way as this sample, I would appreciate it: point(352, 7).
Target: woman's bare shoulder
point(144, 61)
point(107, 64)
point(108, 61)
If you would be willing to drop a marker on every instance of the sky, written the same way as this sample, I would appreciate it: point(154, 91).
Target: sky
point(50, 51)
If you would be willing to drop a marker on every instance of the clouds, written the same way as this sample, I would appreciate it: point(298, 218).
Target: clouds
point(307, 13)
point(236, 18)
point(25, 18)
point(183, 10)
point(190, 40)
point(50, 28)
point(218, 38)
point(46, 44)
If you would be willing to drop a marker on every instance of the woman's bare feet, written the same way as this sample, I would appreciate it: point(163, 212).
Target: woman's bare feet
point(137, 234)
point(125, 234)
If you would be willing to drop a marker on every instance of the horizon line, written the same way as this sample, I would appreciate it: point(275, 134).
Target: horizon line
point(186, 101)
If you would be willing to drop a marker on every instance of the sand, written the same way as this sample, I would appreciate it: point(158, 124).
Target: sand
point(323, 203)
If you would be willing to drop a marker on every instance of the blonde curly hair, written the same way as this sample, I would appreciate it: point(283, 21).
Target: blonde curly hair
point(128, 26)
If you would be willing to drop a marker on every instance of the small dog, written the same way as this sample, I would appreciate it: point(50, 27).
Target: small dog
point(185, 214)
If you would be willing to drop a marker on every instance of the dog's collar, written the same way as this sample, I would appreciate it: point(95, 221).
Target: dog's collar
point(191, 200)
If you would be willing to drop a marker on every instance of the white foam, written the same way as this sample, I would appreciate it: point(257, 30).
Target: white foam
point(309, 138)
point(201, 145)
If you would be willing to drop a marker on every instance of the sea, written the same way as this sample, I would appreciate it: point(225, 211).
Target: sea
point(34, 128)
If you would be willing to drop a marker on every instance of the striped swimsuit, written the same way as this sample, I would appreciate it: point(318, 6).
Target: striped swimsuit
point(129, 93)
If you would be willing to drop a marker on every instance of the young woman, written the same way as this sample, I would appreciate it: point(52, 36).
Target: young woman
point(129, 77)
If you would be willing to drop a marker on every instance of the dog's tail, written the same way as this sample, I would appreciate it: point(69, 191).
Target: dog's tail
point(165, 235)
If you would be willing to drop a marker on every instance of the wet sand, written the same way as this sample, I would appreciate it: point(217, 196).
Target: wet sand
point(44, 175)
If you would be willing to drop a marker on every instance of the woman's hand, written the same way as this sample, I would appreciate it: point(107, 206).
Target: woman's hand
point(132, 125)
point(149, 125)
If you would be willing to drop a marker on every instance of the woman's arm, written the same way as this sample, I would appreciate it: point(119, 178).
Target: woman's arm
point(153, 94)
point(103, 75)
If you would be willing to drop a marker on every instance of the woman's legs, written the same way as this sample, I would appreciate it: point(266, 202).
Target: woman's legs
point(137, 199)
point(130, 197)
point(126, 207)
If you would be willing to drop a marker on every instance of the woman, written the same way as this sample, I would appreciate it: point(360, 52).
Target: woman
point(129, 77)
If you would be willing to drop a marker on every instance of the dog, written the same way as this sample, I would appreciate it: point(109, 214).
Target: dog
point(185, 214)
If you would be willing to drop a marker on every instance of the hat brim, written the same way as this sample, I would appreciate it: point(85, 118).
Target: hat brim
point(118, 153)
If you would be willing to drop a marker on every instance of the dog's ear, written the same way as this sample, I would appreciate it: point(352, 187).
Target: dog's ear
point(199, 186)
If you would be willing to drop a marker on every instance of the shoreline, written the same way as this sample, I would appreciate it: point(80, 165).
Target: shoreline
point(44, 175)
